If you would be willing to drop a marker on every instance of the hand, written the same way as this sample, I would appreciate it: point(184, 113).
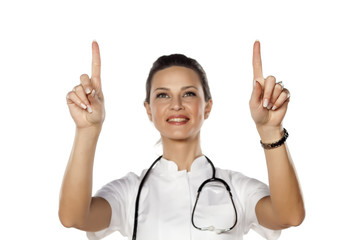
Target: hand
point(86, 100)
point(269, 101)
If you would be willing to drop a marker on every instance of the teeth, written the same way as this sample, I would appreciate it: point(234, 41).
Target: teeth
point(177, 120)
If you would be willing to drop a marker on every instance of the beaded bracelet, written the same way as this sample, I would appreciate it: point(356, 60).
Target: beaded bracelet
point(275, 144)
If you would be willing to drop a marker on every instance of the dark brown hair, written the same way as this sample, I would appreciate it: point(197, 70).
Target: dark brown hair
point(178, 60)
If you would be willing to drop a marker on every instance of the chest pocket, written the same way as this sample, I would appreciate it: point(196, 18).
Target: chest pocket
point(214, 207)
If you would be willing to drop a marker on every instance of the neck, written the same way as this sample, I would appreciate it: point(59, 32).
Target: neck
point(182, 152)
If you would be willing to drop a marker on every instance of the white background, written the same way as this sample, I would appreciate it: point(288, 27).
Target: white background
point(312, 46)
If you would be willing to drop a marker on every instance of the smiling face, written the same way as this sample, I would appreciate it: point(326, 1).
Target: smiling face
point(177, 104)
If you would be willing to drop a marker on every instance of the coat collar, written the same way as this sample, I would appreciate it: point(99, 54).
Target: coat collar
point(165, 166)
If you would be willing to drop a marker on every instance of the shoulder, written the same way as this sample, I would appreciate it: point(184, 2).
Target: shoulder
point(129, 178)
point(126, 184)
point(243, 184)
point(231, 175)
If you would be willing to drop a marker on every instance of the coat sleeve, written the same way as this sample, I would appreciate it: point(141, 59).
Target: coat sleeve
point(250, 191)
point(119, 194)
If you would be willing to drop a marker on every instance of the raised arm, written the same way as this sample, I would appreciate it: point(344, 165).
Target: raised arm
point(77, 207)
point(268, 105)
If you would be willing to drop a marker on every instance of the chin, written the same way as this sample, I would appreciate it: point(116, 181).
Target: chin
point(181, 137)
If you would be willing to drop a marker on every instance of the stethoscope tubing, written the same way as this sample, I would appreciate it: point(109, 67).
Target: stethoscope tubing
point(138, 198)
point(199, 190)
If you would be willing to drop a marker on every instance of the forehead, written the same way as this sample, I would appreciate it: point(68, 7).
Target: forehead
point(175, 76)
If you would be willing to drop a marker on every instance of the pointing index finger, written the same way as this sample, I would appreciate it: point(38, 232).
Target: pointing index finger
point(257, 65)
point(96, 64)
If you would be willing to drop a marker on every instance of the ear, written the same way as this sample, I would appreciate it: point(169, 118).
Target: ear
point(148, 110)
point(208, 108)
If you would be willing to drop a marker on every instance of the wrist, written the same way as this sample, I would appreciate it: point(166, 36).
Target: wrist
point(90, 131)
point(269, 134)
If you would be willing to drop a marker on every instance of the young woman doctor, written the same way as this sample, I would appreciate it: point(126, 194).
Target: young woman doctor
point(165, 206)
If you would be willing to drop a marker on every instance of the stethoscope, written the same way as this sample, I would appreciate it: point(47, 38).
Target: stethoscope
point(212, 179)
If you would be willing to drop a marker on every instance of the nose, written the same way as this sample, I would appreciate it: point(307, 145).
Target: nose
point(176, 104)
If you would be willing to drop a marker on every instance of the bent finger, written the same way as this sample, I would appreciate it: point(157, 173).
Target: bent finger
point(80, 92)
point(276, 93)
point(86, 83)
point(284, 97)
point(72, 98)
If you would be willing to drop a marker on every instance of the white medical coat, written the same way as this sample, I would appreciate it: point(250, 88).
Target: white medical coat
point(167, 200)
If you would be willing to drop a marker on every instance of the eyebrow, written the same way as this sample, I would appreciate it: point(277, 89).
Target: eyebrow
point(167, 89)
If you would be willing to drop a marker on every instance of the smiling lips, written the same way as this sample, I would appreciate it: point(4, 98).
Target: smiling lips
point(178, 119)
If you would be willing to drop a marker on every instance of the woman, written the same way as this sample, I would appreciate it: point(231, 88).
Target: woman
point(178, 101)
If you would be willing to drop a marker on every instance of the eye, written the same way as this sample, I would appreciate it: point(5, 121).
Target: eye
point(189, 94)
point(162, 95)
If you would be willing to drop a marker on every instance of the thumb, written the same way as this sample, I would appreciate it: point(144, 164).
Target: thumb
point(93, 97)
point(255, 98)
